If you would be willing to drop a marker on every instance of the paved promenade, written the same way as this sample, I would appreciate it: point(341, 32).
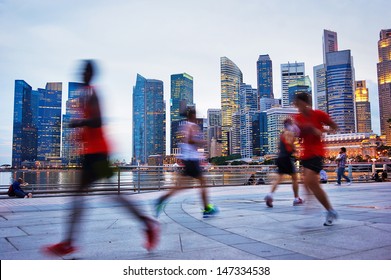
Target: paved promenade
point(244, 229)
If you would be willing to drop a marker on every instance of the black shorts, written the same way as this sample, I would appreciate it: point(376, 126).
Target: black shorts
point(314, 164)
point(95, 167)
point(286, 165)
point(192, 168)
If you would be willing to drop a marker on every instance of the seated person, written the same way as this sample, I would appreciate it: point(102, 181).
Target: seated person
point(16, 186)
point(323, 176)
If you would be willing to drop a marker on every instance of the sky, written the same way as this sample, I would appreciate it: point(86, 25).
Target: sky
point(44, 41)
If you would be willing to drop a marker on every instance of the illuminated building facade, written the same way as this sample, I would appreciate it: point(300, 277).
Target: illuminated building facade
point(181, 96)
point(71, 144)
point(363, 108)
point(339, 79)
point(356, 144)
point(231, 78)
point(384, 83)
point(149, 119)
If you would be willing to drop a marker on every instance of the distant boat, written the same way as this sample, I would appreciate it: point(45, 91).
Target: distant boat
point(5, 166)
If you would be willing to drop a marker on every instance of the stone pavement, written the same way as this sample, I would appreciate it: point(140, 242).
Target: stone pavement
point(245, 228)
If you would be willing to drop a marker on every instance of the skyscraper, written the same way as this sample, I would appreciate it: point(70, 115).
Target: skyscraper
point(265, 77)
point(363, 108)
point(320, 98)
point(384, 83)
point(248, 107)
point(24, 144)
point(339, 77)
point(49, 122)
point(149, 121)
point(319, 91)
point(214, 132)
point(299, 85)
point(71, 144)
point(290, 72)
point(181, 96)
point(231, 78)
point(330, 43)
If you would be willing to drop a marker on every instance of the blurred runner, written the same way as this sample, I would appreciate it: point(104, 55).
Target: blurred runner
point(312, 124)
point(95, 167)
point(286, 162)
point(191, 140)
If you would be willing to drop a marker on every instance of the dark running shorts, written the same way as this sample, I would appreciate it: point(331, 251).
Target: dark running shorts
point(95, 167)
point(286, 165)
point(192, 168)
point(314, 164)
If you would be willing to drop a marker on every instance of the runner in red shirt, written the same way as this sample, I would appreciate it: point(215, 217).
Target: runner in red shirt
point(312, 125)
point(96, 166)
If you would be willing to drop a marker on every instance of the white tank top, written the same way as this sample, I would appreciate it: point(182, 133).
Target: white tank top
point(189, 151)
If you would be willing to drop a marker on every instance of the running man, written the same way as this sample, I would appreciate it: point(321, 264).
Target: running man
point(95, 167)
point(191, 140)
point(286, 162)
point(312, 124)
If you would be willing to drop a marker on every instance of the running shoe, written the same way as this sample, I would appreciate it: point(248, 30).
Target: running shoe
point(349, 183)
point(269, 200)
point(211, 210)
point(159, 207)
point(60, 249)
point(330, 217)
point(298, 201)
point(152, 234)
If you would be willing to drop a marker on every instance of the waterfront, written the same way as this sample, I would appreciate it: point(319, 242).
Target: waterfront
point(157, 177)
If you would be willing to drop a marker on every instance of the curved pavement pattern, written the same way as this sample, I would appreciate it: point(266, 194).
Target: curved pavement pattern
point(244, 229)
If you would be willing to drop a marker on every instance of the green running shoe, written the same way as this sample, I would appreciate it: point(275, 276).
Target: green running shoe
point(211, 210)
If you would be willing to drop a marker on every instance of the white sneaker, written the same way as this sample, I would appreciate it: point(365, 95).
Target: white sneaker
point(349, 183)
point(330, 217)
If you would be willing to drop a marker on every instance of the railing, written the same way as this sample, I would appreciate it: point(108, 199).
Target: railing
point(136, 179)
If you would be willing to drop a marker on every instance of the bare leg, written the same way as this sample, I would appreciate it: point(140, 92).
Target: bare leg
point(311, 181)
point(276, 183)
point(295, 185)
point(204, 192)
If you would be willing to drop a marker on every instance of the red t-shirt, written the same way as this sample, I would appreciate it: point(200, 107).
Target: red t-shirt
point(312, 145)
point(94, 140)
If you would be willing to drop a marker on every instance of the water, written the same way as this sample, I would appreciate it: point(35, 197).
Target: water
point(59, 178)
point(52, 177)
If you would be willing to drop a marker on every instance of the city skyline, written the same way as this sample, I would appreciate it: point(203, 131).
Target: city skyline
point(48, 39)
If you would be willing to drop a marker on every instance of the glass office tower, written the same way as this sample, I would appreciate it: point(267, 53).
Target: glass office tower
point(71, 144)
point(340, 93)
point(49, 122)
point(265, 77)
point(24, 144)
point(181, 96)
point(149, 119)
point(290, 72)
point(363, 108)
point(384, 83)
point(231, 78)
